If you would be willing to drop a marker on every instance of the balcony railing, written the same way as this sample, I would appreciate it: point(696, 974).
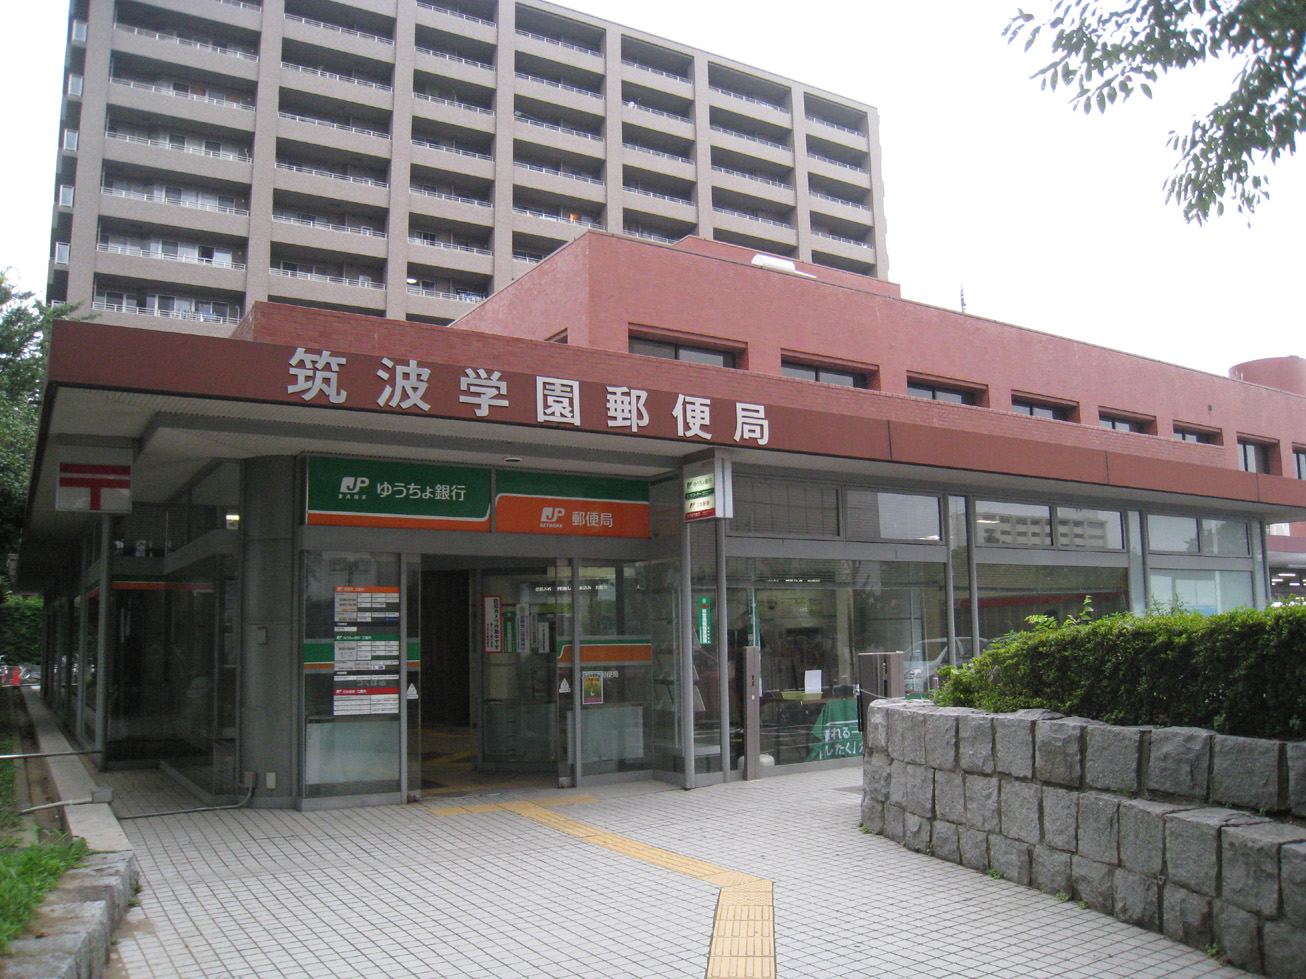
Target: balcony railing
point(428, 192)
point(460, 297)
point(834, 125)
point(316, 172)
point(655, 71)
point(582, 221)
point(349, 79)
point(165, 144)
point(557, 173)
point(286, 218)
point(338, 29)
point(241, 3)
point(843, 238)
point(747, 98)
point(188, 42)
point(562, 85)
point(169, 90)
point(138, 252)
point(666, 156)
point(530, 121)
point(650, 236)
point(839, 200)
point(450, 56)
point(451, 149)
point(663, 197)
point(750, 176)
point(750, 137)
point(455, 13)
point(836, 163)
point(562, 44)
point(327, 123)
point(466, 106)
point(338, 280)
point(680, 117)
point(471, 249)
point(104, 306)
point(161, 198)
point(753, 217)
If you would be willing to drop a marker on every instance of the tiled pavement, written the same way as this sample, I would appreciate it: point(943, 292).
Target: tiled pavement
point(620, 882)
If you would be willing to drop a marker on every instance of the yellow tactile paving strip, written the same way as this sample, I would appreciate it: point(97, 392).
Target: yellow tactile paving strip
point(743, 933)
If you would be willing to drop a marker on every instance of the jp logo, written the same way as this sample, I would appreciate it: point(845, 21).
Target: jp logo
point(353, 485)
point(551, 515)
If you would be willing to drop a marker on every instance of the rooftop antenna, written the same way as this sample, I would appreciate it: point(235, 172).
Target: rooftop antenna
point(963, 299)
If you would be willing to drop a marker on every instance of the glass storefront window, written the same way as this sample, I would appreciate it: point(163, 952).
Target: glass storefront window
point(1024, 524)
point(1171, 533)
point(874, 515)
point(778, 507)
point(1207, 592)
point(1224, 537)
point(1010, 593)
point(1089, 529)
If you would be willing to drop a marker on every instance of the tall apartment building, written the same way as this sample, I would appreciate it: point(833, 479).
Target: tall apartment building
point(406, 159)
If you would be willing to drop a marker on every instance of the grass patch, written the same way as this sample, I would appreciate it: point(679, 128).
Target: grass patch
point(27, 873)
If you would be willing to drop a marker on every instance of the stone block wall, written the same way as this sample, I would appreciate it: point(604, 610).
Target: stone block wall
point(1198, 835)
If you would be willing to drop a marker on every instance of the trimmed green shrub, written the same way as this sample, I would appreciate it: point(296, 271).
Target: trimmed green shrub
point(20, 629)
point(1241, 672)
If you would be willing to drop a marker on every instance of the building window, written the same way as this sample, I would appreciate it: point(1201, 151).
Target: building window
point(74, 84)
point(61, 253)
point(1253, 457)
point(1120, 424)
point(70, 140)
point(1194, 435)
point(1299, 462)
point(826, 375)
point(680, 351)
point(79, 31)
point(936, 392)
point(1194, 535)
point(1036, 409)
point(65, 195)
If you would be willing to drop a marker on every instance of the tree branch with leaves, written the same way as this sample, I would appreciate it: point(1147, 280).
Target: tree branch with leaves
point(1104, 53)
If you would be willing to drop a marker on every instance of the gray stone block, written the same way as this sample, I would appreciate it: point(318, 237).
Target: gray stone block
point(1192, 847)
point(941, 738)
point(974, 845)
point(875, 777)
point(982, 810)
point(1013, 741)
point(80, 931)
point(1093, 883)
point(1113, 757)
point(946, 842)
point(1178, 762)
point(1050, 870)
point(1249, 864)
point(1185, 916)
point(1237, 934)
point(1020, 811)
point(906, 737)
point(1292, 883)
point(1245, 772)
point(1137, 899)
point(1284, 950)
point(877, 728)
point(893, 823)
point(1011, 859)
point(898, 784)
point(872, 815)
point(916, 832)
point(1296, 752)
point(1061, 818)
point(1099, 827)
point(26, 961)
point(920, 791)
point(950, 796)
point(1142, 834)
point(975, 743)
point(1059, 750)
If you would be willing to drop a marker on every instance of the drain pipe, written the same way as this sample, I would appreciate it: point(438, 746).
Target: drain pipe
point(249, 794)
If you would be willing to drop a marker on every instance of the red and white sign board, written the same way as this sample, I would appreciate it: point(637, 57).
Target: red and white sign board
point(94, 480)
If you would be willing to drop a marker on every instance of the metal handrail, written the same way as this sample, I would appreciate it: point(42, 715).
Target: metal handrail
point(657, 71)
point(137, 252)
point(662, 153)
point(557, 173)
point(419, 240)
point(584, 222)
point(562, 44)
point(371, 181)
point(449, 55)
point(167, 145)
point(746, 98)
point(323, 73)
point(526, 76)
point(311, 120)
point(529, 120)
point(750, 176)
point(137, 195)
point(752, 217)
point(164, 90)
point(451, 149)
point(427, 192)
point(292, 219)
point(189, 42)
point(103, 306)
point(748, 136)
point(457, 105)
point(339, 280)
point(455, 13)
point(338, 29)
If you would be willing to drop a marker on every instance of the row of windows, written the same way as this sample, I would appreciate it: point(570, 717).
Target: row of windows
point(1256, 456)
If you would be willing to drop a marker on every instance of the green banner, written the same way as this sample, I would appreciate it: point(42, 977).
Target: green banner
point(567, 486)
point(372, 493)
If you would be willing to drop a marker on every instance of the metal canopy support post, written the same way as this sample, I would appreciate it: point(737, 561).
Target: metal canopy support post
point(102, 636)
point(752, 690)
point(722, 650)
point(686, 656)
point(577, 683)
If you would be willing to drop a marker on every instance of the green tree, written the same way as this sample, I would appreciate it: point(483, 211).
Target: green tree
point(24, 326)
point(1105, 52)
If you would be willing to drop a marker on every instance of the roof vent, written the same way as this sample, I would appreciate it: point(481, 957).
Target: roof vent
point(777, 264)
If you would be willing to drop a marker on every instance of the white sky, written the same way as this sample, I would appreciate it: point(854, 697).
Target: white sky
point(1050, 219)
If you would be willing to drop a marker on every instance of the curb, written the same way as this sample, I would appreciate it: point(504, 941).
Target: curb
point(74, 926)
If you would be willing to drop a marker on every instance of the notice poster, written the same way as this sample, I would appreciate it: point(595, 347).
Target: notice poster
point(591, 687)
point(493, 623)
point(365, 650)
point(355, 695)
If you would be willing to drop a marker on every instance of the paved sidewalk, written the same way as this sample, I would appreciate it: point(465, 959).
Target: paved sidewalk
point(627, 880)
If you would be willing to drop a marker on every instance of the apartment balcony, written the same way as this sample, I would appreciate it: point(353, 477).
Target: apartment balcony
point(334, 290)
point(457, 22)
point(441, 157)
point(174, 321)
point(440, 303)
point(305, 178)
point(754, 185)
point(559, 182)
point(294, 229)
point(458, 258)
point(672, 164)
point(239, 13)
point(746, 105)
point(450, 206)
point(170, 48)
point(452, 65)
point(160, 98)
point(549, 223)
point(656, 78)
point(557, 136)
point(755, 225)
point(660, 120)
point(339, 135)
point(663, 205)
point(837, 207)
point(833, 132)
point(749, 144)
point(231, 167)
point(139, 263)
point(846, 171)
point(333, 85)
point(559, 50)
point(206, 219)
point(456, 113)
point(845, 246)
point(558, 93)
point(342, 39)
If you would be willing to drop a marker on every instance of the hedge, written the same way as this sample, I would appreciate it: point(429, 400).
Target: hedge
point(20, 629)
point(1241, 672)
